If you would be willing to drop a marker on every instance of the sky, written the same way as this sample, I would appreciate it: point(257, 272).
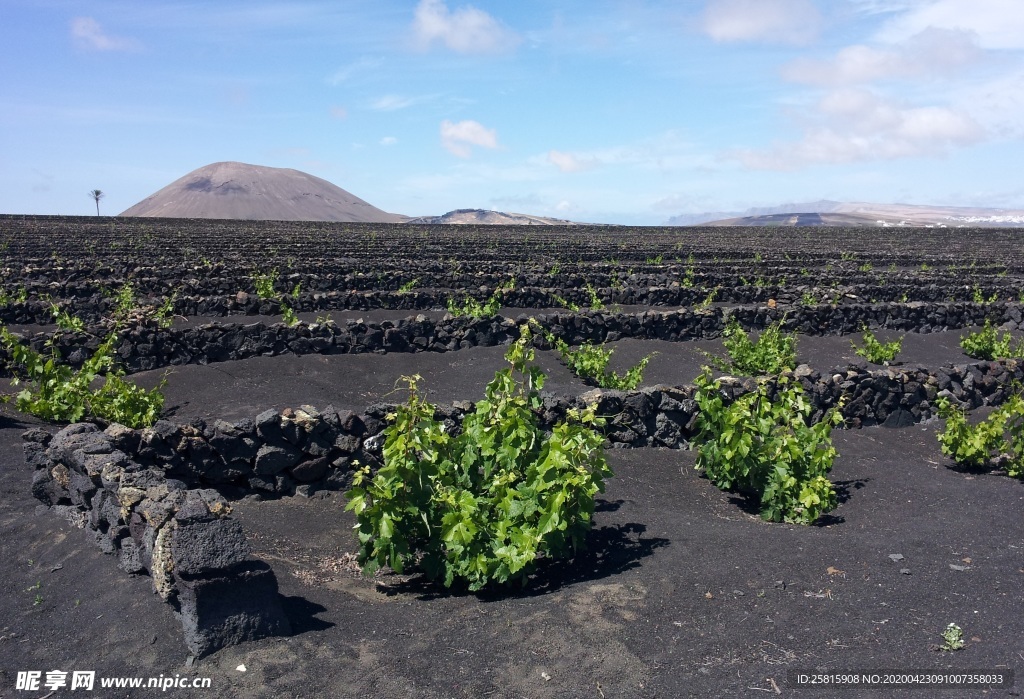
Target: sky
point(609, 111)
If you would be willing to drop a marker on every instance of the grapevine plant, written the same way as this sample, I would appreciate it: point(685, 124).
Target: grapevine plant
point(762, 444)
point(472, 308)
point(57, 392)
point(997, 439)
point(590, 363)
point(875, 351)
point(988, 344)
point(771, 353)
point(483, 507)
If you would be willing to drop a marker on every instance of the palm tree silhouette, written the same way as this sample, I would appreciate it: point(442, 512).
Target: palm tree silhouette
point(97, 195)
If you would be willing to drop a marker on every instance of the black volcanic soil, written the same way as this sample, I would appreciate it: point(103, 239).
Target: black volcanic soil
point(683, 592)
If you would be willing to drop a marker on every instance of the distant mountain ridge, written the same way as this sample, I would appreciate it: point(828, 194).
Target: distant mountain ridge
point(487, 217)
point(231, 190)
point(835, 213)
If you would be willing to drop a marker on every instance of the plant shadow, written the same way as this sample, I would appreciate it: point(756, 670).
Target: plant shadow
point(610, 550)
point(844, 489)
point(750, 502)
point(608, 505)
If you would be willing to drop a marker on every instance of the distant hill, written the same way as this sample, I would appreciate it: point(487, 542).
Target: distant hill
point(485, 217)
point(232, 190)
point(834, 213)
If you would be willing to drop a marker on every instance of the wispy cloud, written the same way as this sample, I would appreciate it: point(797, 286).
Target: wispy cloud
point(771, 21)
point(339, 112)
point(388, 141)
point(998, 24)
point(466, 30)
point(881, 7)
point(459, 138)
point(665, 152)
point(353, 70)
point(88, 34)
point(933, 53)
point(854, 125)
point(392, 103)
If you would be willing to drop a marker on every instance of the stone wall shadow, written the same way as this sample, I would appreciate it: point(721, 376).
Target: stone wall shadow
point(302, 615)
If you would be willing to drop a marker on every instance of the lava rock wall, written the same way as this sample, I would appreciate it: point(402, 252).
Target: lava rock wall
point(182, 537)
point(147, 346)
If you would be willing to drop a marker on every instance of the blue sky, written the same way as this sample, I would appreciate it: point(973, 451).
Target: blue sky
point(618, 111)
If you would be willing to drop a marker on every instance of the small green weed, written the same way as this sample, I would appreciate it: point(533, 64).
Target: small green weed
point(952, 638)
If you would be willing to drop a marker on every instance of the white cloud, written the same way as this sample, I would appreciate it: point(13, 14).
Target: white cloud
point(931, 53)
point(854, 125)
point(666, 152)
point(567, 162)
point(997, 103)
point(388, 141)
point(775, 21)
point(466, 30)
point(999, 24)
point(459, 137)
point(88, 34)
